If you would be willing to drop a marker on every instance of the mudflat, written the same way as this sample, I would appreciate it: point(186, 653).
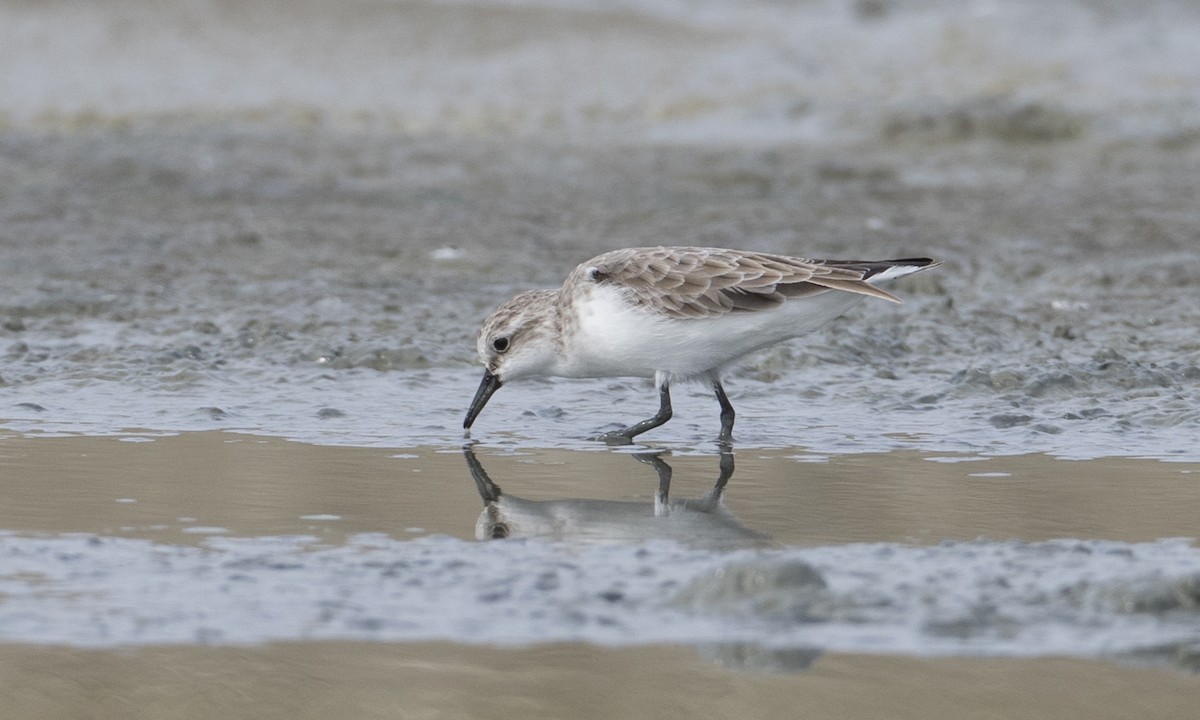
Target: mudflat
point(224, 536)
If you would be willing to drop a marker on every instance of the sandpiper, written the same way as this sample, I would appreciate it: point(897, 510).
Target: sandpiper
point(671, 313)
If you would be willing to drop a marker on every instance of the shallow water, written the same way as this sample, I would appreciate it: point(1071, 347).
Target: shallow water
point(215, 538)
point(244, 248)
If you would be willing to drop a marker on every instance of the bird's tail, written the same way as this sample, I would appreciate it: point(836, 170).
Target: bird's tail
point(873, 271)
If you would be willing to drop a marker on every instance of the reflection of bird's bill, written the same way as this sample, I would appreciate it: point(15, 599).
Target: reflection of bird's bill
point(488, 490)
point(489, 385)
point(697, 522)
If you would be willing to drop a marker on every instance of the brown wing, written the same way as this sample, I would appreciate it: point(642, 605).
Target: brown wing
point(691, 282)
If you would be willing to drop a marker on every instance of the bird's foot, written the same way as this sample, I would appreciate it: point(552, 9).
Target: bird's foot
point(614, 438)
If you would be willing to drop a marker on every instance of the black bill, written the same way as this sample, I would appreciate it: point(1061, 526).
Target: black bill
point(491, 383)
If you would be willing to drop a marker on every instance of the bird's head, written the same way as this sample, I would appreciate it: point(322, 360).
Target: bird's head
point(517, 341)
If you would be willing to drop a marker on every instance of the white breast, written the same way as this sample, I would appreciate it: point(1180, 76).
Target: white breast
point(614, 338)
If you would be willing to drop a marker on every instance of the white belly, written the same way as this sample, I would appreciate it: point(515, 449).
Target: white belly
point(615, 339)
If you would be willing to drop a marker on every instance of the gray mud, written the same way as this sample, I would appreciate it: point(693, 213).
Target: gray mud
point(166, 258)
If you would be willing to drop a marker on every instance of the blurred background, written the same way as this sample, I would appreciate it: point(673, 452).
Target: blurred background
point(669, 70)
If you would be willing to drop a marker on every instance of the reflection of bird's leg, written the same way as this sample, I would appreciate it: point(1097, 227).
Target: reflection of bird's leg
point(726, 466)
point(712, 498)
point(664, 479)
point(488, 490)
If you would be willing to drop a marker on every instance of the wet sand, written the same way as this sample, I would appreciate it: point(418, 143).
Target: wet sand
point(156, 488)
point(320, 680)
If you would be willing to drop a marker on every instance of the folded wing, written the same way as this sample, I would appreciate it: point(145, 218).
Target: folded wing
point(690, 282)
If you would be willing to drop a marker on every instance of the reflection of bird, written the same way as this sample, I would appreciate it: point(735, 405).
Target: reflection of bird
point(671, 313)
point(702, 522)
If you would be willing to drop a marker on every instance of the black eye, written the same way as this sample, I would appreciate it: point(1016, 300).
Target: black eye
point(500, 344)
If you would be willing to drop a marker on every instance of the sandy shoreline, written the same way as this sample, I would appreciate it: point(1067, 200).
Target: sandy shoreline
point(317, 680)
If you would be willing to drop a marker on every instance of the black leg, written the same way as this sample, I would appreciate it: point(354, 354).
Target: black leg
point(626, 436)
point(727, 414)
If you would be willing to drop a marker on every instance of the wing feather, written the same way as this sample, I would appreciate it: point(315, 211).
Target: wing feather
point(695, 282)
